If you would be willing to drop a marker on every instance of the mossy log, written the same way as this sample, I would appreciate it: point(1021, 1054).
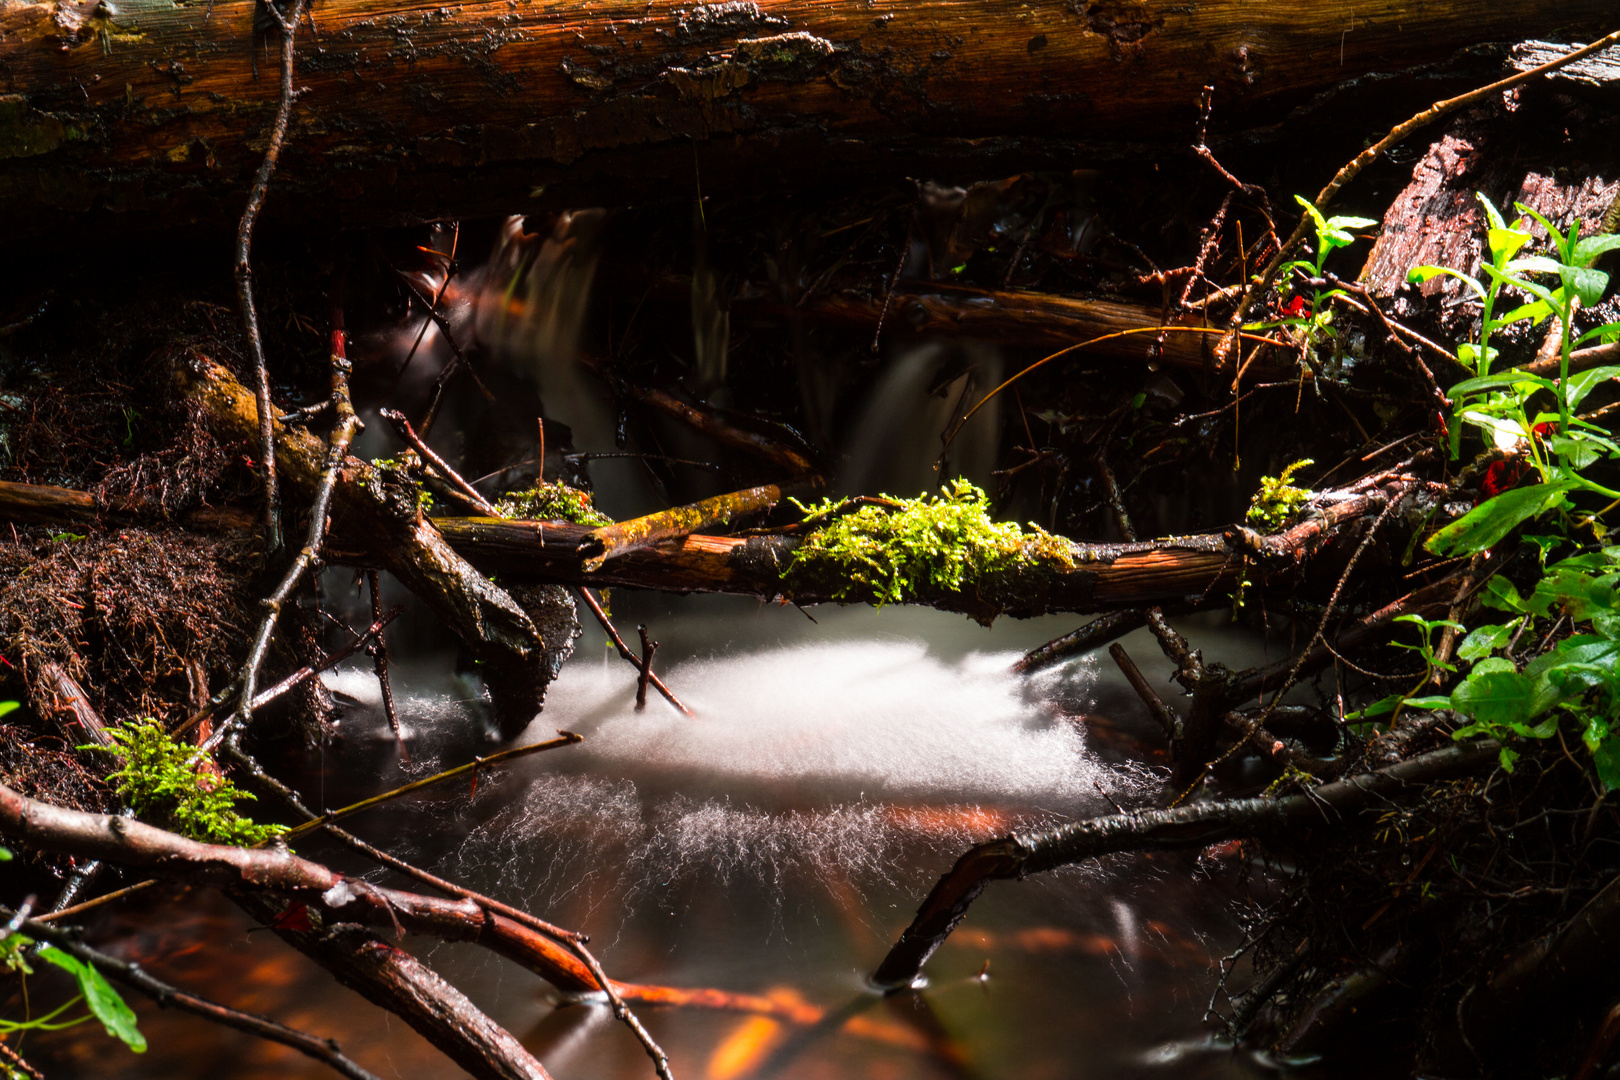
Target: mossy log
point(386, 521)
point(159, 110)
point(1056, 576)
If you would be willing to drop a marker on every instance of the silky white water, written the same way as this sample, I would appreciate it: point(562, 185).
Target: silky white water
point(817, 756)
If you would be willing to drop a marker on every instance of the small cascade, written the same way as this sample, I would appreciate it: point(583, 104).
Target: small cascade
point(899, 434)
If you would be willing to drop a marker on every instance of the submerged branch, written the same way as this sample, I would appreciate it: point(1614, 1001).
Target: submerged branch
point(1195, 825)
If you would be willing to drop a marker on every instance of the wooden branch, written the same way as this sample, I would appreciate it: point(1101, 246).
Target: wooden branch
point(152, 111)
point(1096, 633)
point(387, 524)
point(1195, 825)
point(1024, 318)
point(622, 537)
point(393, 979)
point(1181, 571)
point(325, 1051)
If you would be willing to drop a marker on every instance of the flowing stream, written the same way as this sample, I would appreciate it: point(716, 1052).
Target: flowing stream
point(776, 844)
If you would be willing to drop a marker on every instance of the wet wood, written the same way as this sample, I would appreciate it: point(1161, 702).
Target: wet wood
point(1038, 320)
point(386, 521)
point(622, 537)
point(1195, 825)
point(157, 113)
point(1438, 221)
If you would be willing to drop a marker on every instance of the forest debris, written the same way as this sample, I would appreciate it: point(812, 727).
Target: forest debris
point(1195, 825)
point(387, 525)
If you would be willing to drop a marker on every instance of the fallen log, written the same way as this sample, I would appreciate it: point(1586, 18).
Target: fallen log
point(157, 113)
point(1024, 318)
point(1057, 575)
point(387, 520)
point(1195, 825)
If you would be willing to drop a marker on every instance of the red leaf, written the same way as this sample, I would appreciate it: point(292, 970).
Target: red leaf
point(295, 918)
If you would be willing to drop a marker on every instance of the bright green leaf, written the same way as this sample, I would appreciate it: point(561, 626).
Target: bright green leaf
point(1487, 523)
point(1586, 283)
point(1497, 698)
point(113, 1012)
point(1585, 382)
point(1590, 247)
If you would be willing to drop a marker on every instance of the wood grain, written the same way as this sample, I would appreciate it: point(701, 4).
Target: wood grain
point(158, 110)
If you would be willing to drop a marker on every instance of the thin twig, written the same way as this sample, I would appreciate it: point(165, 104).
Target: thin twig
point(648, 648)
point(378, 650)
point(449, 888)
point(624, 650)
point(325, 1051)
point(305, 673)
point(622, 1012)
point(105, 898)
point(403, 428)
point(15, 1061)
point(348, 425)
point(244, 282)
point(564, 738)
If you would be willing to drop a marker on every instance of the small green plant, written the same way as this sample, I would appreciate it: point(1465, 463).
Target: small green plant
point(1518, 696)
point(101, 1000)
point(889, 551)
point(552, 502)
point(1559, 445)
point(1277, 501)
point(160, 780)
point(1312, 318)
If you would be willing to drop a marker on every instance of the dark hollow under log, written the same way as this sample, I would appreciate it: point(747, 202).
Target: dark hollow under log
point(157, 111)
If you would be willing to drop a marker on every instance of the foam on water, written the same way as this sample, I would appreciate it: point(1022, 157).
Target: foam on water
point(846, 763)
point(882, 717)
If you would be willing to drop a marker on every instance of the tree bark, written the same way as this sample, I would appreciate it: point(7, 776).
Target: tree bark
point(1179, 570)
point(159, 111)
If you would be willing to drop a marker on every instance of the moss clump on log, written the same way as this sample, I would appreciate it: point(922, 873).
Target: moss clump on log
point(894, 551)
point(552, 502)
point(160, 779)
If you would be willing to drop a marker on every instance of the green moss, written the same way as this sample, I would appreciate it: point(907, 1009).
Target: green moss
point(552, 502)
point(159, 782)
point(1278, 501)
point(893, 554)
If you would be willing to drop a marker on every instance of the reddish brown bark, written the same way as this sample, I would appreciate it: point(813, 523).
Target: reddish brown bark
point(158, 112)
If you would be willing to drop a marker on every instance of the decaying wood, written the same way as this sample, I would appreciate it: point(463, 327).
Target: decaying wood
point(678, 522)
point(1438, 221)
point(1195, 825)
point(387, 522)
point(1028, 318)
point(154, 111)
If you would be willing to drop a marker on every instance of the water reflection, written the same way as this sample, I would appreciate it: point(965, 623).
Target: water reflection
point(776, 845)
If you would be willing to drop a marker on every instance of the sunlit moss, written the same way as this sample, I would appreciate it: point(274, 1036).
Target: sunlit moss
point(899, 550)
point(160, 782)
point(1277, 501)
point(552, 502)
